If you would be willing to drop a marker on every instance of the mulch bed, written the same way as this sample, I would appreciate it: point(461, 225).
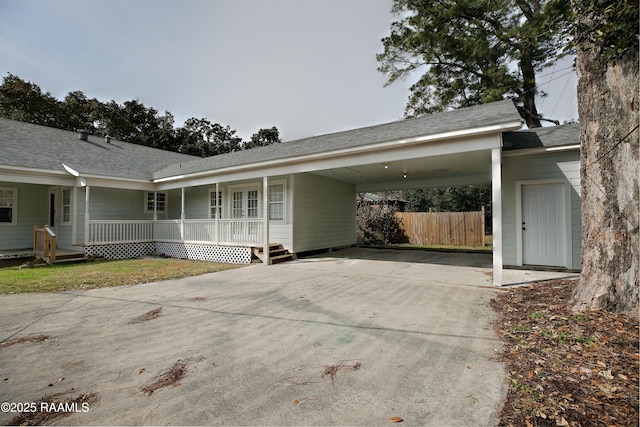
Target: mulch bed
point(566, 368)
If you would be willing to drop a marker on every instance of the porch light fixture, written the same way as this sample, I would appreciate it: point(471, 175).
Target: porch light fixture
point(404, 175)
point(386, 165)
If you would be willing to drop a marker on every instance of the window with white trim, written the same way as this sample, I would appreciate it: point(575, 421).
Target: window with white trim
point(215, 203)
point(66, 206)
point(276, 201)
point(159, 199)
point(8, 206)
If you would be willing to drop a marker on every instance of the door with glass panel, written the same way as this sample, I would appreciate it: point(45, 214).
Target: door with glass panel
point(245, 208)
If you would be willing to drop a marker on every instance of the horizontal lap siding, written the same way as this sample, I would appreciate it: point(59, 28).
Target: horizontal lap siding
point(324, 213)
point(196, 203)
point(556, 166)
point(118, 204)
point(32, 210)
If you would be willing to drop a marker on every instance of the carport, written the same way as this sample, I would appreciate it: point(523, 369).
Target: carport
point(471, 155)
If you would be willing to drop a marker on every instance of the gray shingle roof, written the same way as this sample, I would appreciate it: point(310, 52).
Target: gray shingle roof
point(553, 136)
point(34, 146)
point(466, 118)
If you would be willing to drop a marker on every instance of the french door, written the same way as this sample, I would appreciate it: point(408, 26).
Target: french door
point(245, 206)
point(244, 203)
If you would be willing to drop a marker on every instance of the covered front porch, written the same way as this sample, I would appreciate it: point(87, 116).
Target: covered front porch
point(224, 222)
point(225, 240)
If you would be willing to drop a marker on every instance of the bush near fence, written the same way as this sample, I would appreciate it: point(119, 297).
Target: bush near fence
point(443, 228)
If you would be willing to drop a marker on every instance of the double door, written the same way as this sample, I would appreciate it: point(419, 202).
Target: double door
point(245, 203)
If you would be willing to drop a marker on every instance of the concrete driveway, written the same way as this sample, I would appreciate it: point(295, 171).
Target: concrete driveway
point(339, 339)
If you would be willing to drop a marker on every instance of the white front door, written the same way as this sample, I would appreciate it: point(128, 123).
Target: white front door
point(543, 224)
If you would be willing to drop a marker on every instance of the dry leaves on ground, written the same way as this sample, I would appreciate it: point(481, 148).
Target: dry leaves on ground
point(566, 368)
point(170, 377)
point(25, 339)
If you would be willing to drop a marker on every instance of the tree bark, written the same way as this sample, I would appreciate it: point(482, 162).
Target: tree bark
point(610, 170)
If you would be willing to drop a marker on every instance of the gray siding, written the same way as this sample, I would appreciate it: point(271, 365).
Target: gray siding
point(118, 204)
point(32, 210)
point(324, 213)
point(548, 166)
point(196, 202)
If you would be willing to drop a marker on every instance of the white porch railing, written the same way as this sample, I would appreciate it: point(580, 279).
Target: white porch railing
point(234, 232)
point(118, 231)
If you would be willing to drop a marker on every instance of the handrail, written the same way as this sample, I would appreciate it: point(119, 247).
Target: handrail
point(234, 232)
point(44, 243)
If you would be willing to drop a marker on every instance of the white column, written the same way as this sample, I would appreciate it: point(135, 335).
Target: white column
point(265, 212)
point(182, 216)
point(74, 215)
point(86, 214)
point(155, 205)
point(496, 213)
point(218, 209)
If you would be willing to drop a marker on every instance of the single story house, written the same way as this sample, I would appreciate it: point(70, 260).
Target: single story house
point(121, 200)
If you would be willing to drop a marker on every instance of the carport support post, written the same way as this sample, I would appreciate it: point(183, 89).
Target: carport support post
point(496, 213)
point(265, 212)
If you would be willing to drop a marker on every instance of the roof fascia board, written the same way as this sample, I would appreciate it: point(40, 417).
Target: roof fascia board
point(540, 150)
point(117, 183)
point(35, 176)
point(429, 145)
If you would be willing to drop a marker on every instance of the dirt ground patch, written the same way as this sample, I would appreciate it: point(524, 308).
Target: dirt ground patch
point(566, 368)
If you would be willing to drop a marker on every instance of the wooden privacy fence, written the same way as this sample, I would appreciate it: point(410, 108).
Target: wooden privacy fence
point(443, 228)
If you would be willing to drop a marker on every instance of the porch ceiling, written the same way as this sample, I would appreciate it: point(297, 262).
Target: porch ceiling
point(445, 170)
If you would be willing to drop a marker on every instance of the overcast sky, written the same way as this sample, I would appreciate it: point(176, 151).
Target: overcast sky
point(307, 67)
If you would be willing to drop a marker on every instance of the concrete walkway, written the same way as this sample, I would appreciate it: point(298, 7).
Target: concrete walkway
point(352, 338)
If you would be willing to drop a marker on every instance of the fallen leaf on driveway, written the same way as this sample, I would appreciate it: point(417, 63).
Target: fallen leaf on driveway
point(396, 419)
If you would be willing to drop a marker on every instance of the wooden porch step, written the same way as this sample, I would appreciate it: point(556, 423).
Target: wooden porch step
point(64, 256)
point(69, 255)
point(70, 260)
point(277, 253)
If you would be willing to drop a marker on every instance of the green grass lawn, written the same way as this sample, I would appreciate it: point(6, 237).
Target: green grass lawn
point(101, 273)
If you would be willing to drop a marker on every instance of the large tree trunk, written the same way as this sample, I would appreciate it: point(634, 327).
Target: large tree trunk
point(610, 170)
